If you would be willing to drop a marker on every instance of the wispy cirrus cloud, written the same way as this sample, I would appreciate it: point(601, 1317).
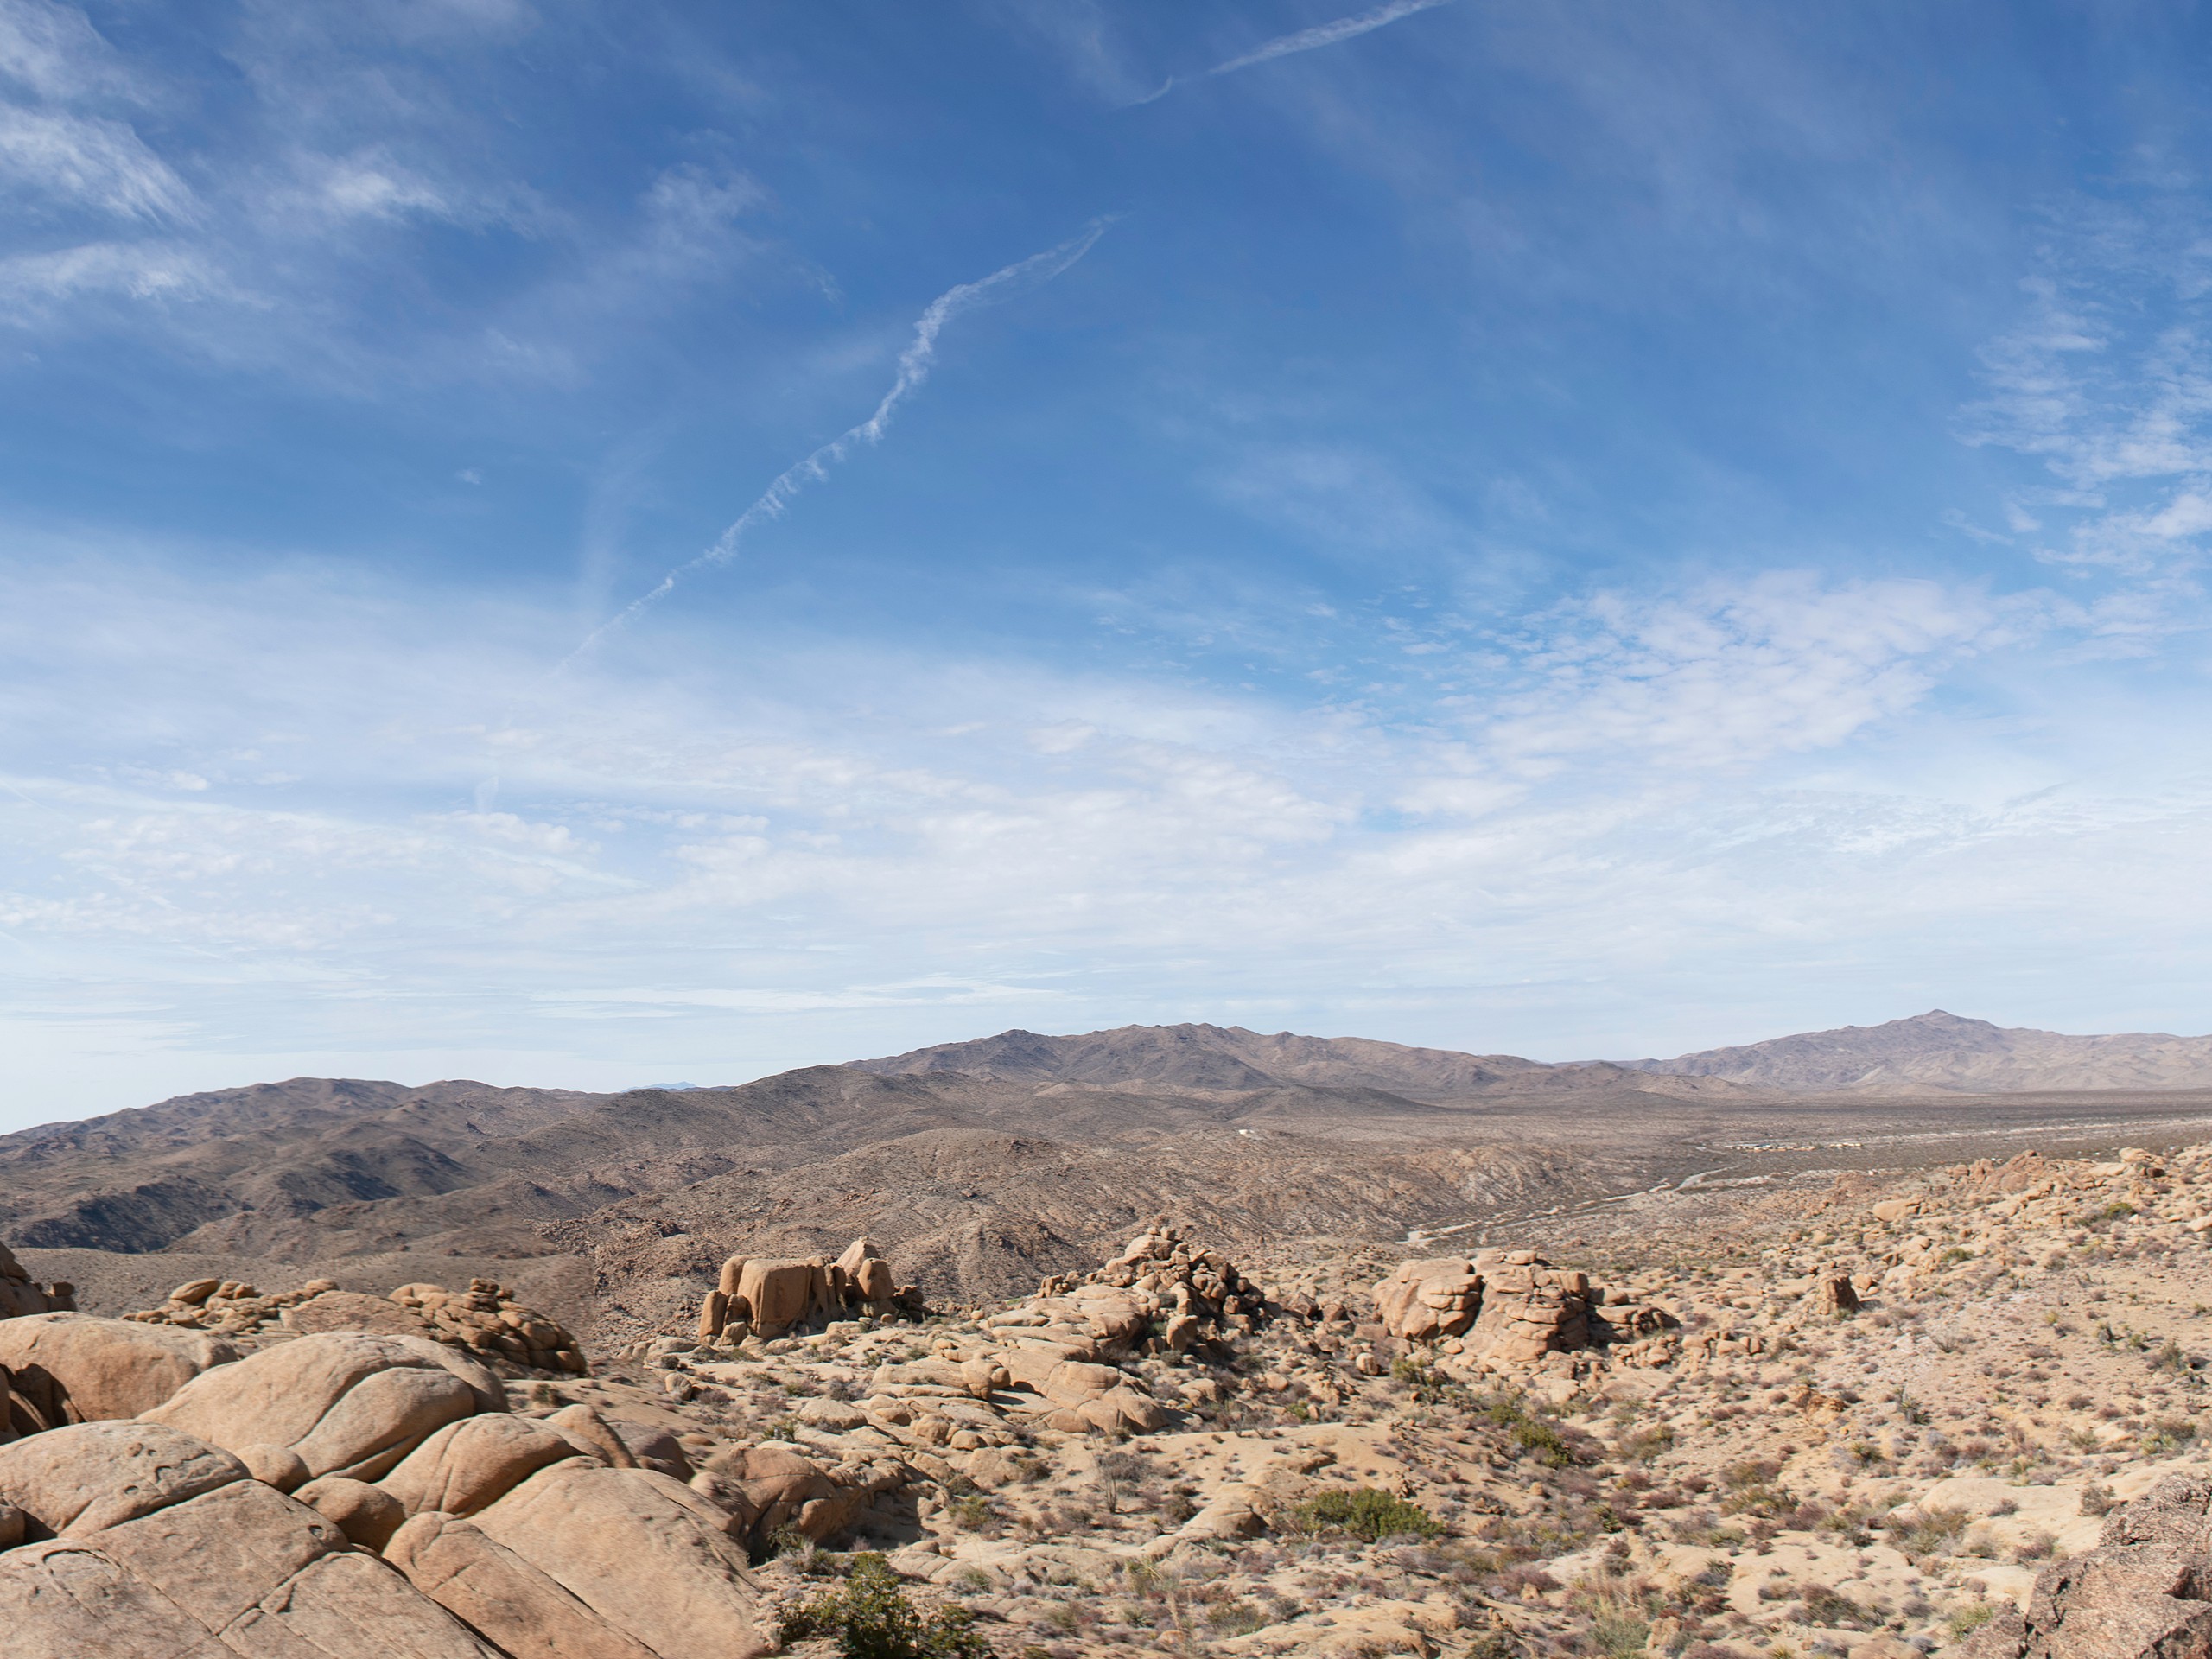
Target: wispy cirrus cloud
point(89, 161)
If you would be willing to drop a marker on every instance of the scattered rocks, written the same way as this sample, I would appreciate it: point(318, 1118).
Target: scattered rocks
point(486, 1319)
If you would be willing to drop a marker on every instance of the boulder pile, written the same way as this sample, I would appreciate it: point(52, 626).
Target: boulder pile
point(1066, 1360)
point(1507, 1307)
point(1197, 1295)
point(486, 1319)
point(345, 1492)
point(20, 1293)
point(768, 1297)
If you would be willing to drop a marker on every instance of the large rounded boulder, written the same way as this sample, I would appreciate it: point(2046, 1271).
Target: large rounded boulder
point(342, 1404)
point(78, 1368)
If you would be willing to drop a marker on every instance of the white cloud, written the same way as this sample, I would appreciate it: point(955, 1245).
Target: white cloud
point(54, 52)
point(1734, 674)
point(702, 857)
point(34, 287)
point(89, 161)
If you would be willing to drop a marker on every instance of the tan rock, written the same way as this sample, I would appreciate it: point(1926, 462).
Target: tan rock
point(476, 1461)
point(347, 1310)
point(345, 1404)
point(776, 1481)
point(639, 1550)
point(496, 1592)
point(218, 1554)
point(774, 1295)
point(90, 1476)
point(105, 1369)
point(274, 1466)
point(1425, 1301)
point(714, 1316)
point(367, 1515)
point(346, 1604)
point(65, 1600)
point(591, 1433)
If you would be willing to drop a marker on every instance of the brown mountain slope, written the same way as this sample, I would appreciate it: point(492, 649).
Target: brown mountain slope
point(1201, 1057)
point(1941, 1052)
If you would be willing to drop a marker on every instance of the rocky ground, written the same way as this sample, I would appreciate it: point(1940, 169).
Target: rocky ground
point(1870, 1415)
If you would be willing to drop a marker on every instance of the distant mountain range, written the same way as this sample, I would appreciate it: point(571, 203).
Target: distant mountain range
point(1941, 1052)
point(1934, 1051)
point(977, 1166)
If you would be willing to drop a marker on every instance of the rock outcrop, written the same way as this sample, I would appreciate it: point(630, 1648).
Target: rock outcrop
point(485, 1320)
point(768, 1297)
point(75, 1368)
point(341, 1403)
point(20, 1293)
point(1511, 1308)
point(2144, 1593)
point(346, 1493)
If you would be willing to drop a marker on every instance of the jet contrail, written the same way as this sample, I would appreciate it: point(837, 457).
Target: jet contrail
point(913, 368)
point(1306, 40)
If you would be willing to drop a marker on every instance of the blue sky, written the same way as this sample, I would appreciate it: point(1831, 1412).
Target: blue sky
point(1562, 529)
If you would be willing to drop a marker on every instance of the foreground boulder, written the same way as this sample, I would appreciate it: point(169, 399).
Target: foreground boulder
point(502, 1596)
point(2144, 1593)
point(160, 1546)
point(341, 1404)
point(76, 1367)
point(645, 1553)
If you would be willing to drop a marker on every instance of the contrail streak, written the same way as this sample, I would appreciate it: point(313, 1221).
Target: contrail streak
point(1306, 40)
point(914, 364)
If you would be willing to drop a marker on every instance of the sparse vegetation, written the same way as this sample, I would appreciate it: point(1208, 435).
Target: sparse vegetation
point(1365, 1513)
point(869, 1617)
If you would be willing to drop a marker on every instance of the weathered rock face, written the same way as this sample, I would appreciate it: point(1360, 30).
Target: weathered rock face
point(150, 1540)
point(498, 1593)
point(485, 1320)
point(343, 1404)
point(75, 1368)
point(2144, 1593)
point(646, 1554)
point(160, 1546)
point(1427, 1301)
point(20, 1293)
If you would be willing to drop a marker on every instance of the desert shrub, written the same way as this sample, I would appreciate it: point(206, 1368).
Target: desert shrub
point(1237, 1618)
point(1366, 1513)
point(1928, 1532)
point(1426, 1384)
point(1967, 1620)
point(1825, 1606)
point(1542, 1440)
point(870, 1618)
point(1619, 1634)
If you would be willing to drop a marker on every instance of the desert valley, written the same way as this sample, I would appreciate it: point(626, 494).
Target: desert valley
point(1872, 1342)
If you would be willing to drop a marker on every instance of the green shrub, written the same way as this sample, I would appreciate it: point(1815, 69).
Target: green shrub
point(1967, 1620)
point(1366, 1513)
point(870, 1618)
